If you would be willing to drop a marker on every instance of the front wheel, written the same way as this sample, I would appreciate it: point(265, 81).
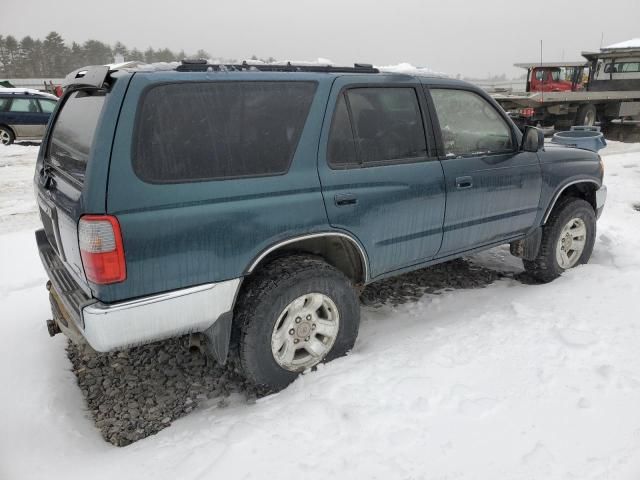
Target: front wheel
point(567, 240)
point(297, 312)
point(6, 136)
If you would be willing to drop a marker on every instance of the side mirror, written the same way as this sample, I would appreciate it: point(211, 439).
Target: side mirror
point(532, 140)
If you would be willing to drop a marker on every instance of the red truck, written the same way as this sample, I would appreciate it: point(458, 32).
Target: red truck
point(554, 77)
point(603, 87)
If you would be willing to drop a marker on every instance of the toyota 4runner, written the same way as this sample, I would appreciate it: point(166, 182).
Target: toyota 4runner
point(249, 205)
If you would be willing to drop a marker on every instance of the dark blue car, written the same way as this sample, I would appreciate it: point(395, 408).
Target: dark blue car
point(24, 114)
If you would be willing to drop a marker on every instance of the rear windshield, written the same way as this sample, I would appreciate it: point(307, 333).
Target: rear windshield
point(205, 131)
point(73, 131)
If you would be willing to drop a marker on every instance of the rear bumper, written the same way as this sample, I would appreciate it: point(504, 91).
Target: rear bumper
point(601, 198)
point(125, 324)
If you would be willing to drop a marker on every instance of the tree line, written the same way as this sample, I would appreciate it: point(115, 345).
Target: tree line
point(53, 58)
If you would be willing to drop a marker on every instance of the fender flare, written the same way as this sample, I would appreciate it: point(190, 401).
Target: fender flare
point(281, 243)
point(562, 189)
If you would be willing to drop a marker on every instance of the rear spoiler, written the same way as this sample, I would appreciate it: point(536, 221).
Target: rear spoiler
point(93, 76)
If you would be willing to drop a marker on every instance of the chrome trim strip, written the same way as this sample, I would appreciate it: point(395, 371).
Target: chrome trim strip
point(166, 315)
point(555, 198)
point(104, 309)
point(266, 252)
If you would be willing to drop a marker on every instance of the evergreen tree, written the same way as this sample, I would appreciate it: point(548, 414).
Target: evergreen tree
point(164, 55)
point(56, 55)
point(136, 54)
point(149, 55)
point(78, 57)
point(97, 53)
point(26, 65)
point(202, 54)
point(120, 49)
point(51, 57)
point(10, 58)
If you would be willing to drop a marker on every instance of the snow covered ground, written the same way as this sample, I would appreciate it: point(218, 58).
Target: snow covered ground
point(511, 381)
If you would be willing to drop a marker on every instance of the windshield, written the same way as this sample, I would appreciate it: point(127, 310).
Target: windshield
point(73, 131)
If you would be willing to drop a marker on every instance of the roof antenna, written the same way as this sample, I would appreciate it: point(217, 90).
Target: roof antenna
point(543, 74)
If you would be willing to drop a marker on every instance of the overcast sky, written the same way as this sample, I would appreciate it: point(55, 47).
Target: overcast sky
point(473, 38)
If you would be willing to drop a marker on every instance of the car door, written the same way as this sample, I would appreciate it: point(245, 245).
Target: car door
point(381, 180)
point(493, 188)
point(24, 117)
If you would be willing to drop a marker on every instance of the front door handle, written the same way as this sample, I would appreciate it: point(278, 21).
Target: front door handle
point(464, 182)
point(342, 199)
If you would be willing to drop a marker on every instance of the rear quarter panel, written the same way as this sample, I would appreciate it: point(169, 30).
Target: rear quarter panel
point(180, 235)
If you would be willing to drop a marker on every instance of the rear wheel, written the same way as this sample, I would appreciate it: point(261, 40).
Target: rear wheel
point(586, 115)
point(567, 240)
point(6, 136)
point(297, 312)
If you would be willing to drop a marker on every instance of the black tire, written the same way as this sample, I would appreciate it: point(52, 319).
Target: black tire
point(268, 293)
point(586, 115)
point(545, 267)
point(6, 135)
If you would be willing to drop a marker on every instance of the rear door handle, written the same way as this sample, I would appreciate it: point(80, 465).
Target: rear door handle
point(342, 199)
point(464, 182)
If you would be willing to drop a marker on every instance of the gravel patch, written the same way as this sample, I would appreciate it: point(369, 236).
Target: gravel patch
point(135, 393)
point(138, 392)
point(409, 287)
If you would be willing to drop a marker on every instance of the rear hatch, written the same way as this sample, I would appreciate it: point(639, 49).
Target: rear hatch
point(72, 169)
point(60, 181)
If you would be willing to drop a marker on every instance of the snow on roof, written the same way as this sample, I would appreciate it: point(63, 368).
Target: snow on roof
point(633, 43)
point(411, 70)
point(398, 68)
point(32, 91)
point(129, 64)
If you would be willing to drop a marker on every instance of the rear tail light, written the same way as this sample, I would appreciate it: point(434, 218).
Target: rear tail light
point(527, 112)
point(101, 249)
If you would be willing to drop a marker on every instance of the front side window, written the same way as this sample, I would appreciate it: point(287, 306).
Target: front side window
point(469, 124)
point(47, 106)
point(206, 131)
point(377, 124)
point(23, 105)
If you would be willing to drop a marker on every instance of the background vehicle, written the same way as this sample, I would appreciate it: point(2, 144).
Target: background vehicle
point(612, 91)
point(250, 204)
point(24, 114)
point(554, 77)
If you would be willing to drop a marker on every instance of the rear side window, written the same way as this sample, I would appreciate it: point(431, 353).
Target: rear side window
point(73, 131)
point(384, 123)
point(469, 124)
point(342, 146)
point(4, 102)
point(206, 131)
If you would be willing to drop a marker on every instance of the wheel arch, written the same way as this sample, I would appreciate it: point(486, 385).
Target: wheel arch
point(339, 249)
point(584, 188)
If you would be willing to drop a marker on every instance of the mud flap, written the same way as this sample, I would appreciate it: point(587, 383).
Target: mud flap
point(528, 247)
point(218, 338)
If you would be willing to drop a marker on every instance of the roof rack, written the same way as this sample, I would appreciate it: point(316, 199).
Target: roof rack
point(198, 65)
